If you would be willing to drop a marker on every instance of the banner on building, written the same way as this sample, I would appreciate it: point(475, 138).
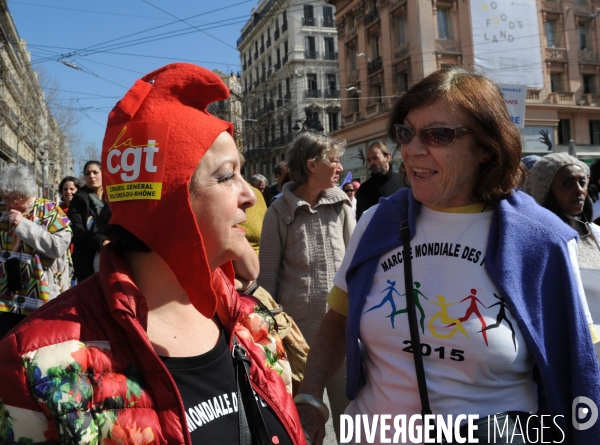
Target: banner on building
point(515, 96)
point(506, 41)
point(354, 160)
point(354, 156)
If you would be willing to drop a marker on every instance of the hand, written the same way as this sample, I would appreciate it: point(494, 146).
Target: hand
point(105, 242)
point(545, 139)
point(312, 422)
point(241, 284)
point(14, 217)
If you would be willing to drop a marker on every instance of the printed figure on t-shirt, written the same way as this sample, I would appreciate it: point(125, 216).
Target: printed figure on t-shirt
point(445, 318)
point(473, 309)
point(388, 298)
point(416, 293)
point(501, 316)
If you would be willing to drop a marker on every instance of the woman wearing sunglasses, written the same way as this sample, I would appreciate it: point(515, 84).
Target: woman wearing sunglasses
point(489, 275)
point(350, 190)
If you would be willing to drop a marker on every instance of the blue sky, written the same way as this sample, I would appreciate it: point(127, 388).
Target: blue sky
point(116, 42)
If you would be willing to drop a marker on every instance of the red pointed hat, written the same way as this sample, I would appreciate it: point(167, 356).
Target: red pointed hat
point(155, 138)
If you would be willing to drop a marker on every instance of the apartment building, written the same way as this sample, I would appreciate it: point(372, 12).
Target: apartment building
point(290, 82)
point(29, 134)
point(549, 47)
point(231, 109)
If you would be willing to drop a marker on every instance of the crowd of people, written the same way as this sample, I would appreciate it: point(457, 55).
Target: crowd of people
point(467, 282)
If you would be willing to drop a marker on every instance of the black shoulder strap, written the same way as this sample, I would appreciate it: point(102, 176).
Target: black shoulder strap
point(412, 319)
point(253, 430)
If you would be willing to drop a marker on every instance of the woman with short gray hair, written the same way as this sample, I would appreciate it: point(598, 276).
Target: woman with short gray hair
point(35, 235)
point(259, 182)
point(304, 238)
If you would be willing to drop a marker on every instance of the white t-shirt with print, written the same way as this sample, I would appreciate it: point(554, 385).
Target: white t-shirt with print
point(475, 358)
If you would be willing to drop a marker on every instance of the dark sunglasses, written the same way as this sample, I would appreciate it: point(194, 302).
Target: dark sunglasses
point(349, 190)
point(432, 136)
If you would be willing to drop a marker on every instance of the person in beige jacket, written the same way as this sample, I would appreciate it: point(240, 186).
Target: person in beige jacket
point(304, 237)
point(35, 235)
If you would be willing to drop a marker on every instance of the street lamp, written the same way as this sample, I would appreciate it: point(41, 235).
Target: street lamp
point(43, 158)
point(52, 180)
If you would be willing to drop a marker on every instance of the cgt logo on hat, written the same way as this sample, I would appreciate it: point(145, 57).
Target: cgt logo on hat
point(134, 155)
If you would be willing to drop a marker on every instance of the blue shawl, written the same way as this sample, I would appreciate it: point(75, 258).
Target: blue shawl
point(528, 261)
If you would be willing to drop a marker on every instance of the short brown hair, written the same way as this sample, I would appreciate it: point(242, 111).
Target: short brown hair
point(481, 102)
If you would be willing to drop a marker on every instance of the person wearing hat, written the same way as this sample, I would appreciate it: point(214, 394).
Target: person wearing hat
point(157, 347)
point(530, 161)
point(559, 183)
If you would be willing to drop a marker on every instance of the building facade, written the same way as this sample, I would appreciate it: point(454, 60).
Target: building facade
point(388, 45)
point(29, 134)
point(290, 81)
point(231, 109)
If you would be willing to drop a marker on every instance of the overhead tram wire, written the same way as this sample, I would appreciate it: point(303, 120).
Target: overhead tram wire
point(93, 49)
point(190, 25)
point(150, 38)
point(149, 56)
point(86, 52)
point(75, 53)
point(136, 42)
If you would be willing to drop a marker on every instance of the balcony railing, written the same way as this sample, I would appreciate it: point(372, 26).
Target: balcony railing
point(375, 65)
point(330, 55)
point(533, 95)
point(268, 42)
point(262, 49)
point(276, 34)
point(288, 96)
point(308, 21)
point(328, 23)
point(371, 17)
point(332, 94)
point(280, 102)
point(562, 97)
point(284, 27)
point(592, 99)
point(277, 66)
point(311, 54)
point(284, 60)
point(255, 55)
point(312, 94)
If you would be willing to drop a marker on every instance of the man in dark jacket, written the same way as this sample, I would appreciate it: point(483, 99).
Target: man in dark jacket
point(383, 181)
point(275, 189)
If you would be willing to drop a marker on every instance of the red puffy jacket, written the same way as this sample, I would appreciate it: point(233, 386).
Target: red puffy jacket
point(82, 370)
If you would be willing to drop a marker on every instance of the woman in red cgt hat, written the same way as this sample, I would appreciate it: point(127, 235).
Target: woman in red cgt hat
point(158, 347)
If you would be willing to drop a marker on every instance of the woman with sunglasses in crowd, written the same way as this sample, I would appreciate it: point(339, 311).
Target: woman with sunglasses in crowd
point(498, 324)
point(350, 190)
